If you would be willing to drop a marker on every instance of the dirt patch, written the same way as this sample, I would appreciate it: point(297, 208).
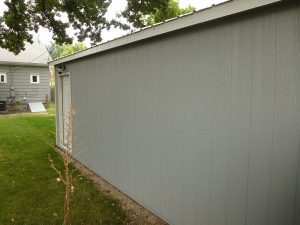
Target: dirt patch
point(13, 112)
point(135, 213)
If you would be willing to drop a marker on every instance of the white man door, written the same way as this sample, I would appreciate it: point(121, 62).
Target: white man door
point(65, 111)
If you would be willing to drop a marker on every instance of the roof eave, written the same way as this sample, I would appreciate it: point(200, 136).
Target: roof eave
point(9, 63)
point(209, 14)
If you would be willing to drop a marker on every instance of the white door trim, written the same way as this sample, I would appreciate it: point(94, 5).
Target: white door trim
point(60, 111)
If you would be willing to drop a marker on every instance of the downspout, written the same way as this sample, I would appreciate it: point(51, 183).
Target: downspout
point(11, 79)
point(12, 86)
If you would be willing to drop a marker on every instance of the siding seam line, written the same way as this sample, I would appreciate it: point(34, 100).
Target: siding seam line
point(250, 125)
point(230, 134)
point(273, 124)
point(212, 147)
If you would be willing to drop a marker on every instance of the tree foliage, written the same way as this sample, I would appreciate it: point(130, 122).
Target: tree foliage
point(143, 13)
point(57, 50)
point(86, 17)
point(24, 16)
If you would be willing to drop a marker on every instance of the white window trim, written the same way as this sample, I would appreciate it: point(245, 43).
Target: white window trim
point(5, 78)
point(31, 78)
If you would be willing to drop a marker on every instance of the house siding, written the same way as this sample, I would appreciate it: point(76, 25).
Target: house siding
point(201, 126)
point(5, 87)
point(19, 77)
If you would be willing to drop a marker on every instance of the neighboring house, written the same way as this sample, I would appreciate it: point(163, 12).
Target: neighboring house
point(25, 77)
point(197, 118)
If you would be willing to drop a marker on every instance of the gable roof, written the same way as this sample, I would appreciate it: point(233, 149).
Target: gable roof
point(222, 10)
point(34, 54)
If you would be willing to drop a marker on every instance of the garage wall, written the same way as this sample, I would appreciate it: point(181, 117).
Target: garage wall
point(201, 126)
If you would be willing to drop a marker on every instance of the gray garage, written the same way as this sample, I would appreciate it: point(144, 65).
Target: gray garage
point(197, 118)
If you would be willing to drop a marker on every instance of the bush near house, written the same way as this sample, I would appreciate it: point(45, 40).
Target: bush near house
point(29, 190)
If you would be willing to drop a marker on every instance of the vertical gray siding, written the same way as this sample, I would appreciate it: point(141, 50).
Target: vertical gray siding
point(20, 79)
point(202, 126)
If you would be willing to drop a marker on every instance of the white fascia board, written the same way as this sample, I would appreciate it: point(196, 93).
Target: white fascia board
point(223, 10)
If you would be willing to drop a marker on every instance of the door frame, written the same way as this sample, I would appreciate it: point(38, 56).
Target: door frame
point(59, 111)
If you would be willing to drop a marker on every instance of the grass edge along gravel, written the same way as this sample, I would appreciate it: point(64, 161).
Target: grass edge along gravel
point(30, 192)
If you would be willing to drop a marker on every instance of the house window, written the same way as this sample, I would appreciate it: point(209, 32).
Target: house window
point(34, 78)
point(3, 78)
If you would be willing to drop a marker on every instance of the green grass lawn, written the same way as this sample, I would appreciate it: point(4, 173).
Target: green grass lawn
point(29, 192)
point(51, 109)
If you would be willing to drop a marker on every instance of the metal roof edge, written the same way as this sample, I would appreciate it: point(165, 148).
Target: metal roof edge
point(216, 12)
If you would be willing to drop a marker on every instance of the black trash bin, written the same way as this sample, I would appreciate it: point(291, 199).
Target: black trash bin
point(2, 106)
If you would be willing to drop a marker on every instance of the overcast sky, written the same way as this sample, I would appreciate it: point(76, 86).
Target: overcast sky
point(114, 8)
